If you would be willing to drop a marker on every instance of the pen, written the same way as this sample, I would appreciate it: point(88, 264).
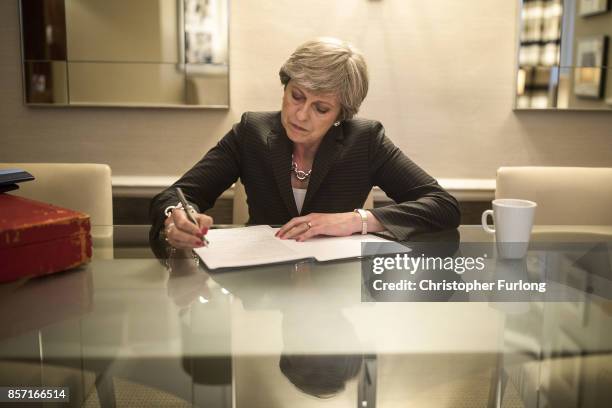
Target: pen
point(186, 207)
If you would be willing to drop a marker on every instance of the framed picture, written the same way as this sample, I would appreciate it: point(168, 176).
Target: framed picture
point(198, 32)
point(591, 7)
point(589, 74)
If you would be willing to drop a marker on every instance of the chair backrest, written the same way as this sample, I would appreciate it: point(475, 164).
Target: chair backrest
point(369, 202)
point(565, 195)
point(82, 187)
point(241, 209)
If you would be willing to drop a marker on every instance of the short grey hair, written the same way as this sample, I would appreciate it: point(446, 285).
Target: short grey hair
point(329, 65)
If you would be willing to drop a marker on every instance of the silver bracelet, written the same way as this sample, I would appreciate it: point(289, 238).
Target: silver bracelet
point(364, 220)
point(168, 210)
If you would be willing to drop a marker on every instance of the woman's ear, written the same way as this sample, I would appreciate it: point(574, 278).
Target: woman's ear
point(339, 118)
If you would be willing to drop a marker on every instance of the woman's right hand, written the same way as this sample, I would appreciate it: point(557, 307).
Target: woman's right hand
point(182, 233)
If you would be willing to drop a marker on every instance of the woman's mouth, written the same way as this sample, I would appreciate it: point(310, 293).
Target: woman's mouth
point(298, 128)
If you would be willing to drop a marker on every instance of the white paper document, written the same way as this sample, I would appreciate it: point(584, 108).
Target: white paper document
point(257, 245)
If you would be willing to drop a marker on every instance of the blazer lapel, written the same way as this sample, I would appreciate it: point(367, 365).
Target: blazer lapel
point(280, 159)
point(326, 156)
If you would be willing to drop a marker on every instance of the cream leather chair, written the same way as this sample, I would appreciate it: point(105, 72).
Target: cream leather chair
point(574, 204)
point(83, 187)
point(241, 209)
point(565, 195)
point(240, 213)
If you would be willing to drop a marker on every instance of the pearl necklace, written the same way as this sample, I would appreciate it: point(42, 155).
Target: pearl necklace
point(301, 175)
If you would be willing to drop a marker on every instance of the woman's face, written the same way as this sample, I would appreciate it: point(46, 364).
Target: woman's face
point(307, 116)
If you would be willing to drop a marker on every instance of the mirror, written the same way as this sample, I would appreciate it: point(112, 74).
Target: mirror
point(159, 53)
point(563, 55)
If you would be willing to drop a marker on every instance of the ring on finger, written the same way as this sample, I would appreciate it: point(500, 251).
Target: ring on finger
point(309, 225)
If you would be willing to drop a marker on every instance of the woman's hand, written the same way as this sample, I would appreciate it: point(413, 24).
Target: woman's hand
point(182, 233)
point(307, 226)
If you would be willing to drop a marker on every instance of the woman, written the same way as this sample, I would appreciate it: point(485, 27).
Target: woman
point(310, 166)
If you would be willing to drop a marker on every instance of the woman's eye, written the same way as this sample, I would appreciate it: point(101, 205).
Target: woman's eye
point(322, 110)
point(296, 96)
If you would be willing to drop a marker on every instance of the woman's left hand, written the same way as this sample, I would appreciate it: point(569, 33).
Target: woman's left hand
point(308, 226)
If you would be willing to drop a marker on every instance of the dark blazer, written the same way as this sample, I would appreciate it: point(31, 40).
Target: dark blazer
point(351, 159)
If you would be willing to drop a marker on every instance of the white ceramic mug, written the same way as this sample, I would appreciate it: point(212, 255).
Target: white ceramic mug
point(513, 220)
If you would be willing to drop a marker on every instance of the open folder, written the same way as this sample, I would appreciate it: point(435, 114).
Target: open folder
point(257, 245)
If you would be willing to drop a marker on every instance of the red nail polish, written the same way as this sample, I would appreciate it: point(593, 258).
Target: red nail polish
point(204, 230)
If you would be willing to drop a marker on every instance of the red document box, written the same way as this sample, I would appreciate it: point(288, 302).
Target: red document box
point(38, 238)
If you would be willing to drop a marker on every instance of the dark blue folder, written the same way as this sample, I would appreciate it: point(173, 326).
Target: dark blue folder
point(10, 177)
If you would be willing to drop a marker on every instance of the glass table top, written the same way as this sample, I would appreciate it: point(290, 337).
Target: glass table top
point(140, 325)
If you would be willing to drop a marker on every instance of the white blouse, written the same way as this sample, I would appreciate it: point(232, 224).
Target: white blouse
point(299, 194)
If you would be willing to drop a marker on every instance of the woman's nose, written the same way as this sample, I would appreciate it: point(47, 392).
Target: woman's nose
point(302, 112)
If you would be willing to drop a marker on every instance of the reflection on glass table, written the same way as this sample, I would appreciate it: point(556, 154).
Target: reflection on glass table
point(131, 329)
